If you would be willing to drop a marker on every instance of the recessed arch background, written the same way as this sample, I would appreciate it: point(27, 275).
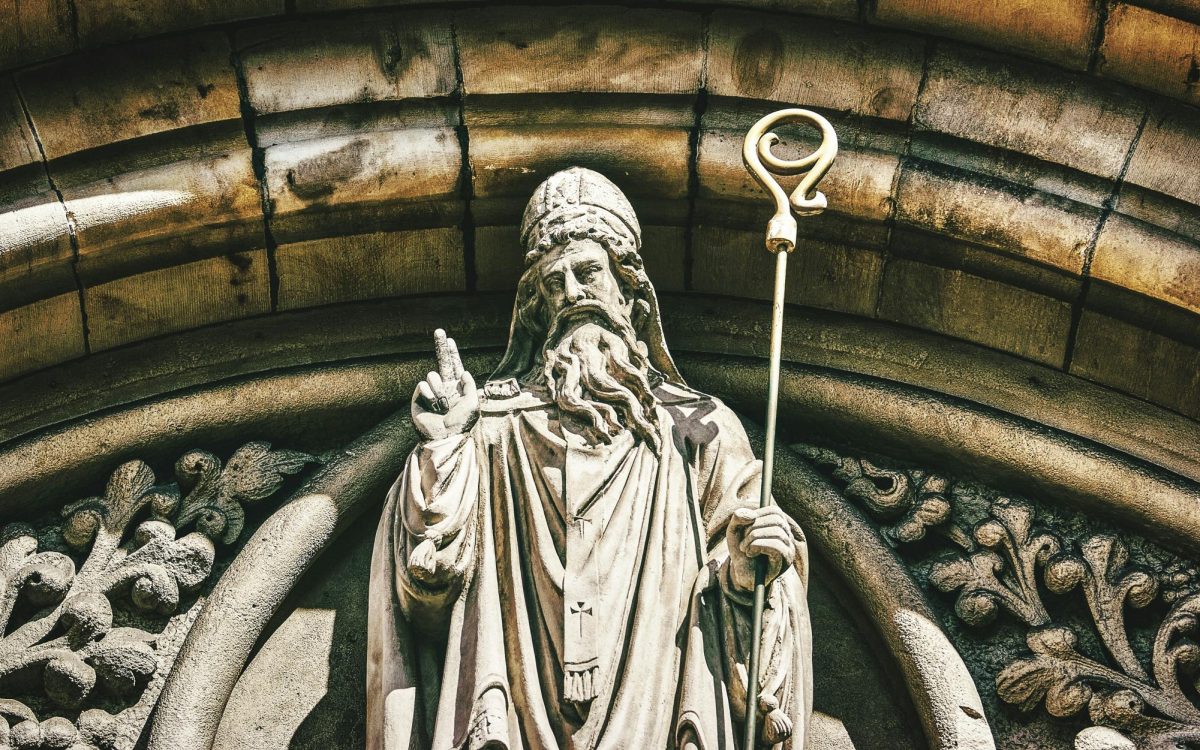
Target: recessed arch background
point(222, 216)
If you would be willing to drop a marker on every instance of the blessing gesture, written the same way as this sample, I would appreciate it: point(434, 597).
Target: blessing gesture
point(446, 402)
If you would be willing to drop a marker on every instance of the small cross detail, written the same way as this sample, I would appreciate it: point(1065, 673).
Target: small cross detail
point(581, 609)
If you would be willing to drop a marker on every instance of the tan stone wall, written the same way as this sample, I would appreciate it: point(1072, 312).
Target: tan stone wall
point(994, 186)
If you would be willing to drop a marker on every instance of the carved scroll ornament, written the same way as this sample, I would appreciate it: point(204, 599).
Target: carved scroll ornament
point(92, 612)
point(1135, 698)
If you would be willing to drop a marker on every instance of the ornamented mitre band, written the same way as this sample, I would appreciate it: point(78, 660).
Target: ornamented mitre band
point(576, 196)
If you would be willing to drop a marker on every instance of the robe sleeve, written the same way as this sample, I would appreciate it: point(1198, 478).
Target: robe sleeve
point(436, 501)
point(728, 478)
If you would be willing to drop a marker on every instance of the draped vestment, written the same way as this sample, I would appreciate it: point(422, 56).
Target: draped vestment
point(582, 599)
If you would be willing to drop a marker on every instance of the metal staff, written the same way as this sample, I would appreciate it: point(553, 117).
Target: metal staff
point(805, 200)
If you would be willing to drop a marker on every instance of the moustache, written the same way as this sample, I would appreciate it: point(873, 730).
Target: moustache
point(590, 310)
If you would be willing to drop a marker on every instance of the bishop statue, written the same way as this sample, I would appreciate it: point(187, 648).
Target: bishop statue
point(567, 560)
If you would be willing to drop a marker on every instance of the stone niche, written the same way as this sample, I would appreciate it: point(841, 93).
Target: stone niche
point(227, 235)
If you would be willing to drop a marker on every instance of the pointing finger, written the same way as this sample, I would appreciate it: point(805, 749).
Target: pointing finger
point(442, 350)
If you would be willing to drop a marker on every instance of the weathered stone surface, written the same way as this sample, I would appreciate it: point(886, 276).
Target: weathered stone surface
point(35, 250)
point(861, 185)
point(1143, 259)
point(1159, 368)
point(1016, 106)
point(823, 274)
point(847, 9)
point(124, 93)
point(650, 163)
point(1152, 51)
point(820, 64)
point(366, 58)
point(579, 49)
point(40, 334)
point(977, 309)
point(1166, 154)
point(17, 145)
point(107, 21)
point(943, 251)
point(1012, 219)
point(1060, 31)
point(34, 30)
point(171, 214)
point(369, 266)
point(317, 6)
point(177, 298)
point(345, 184)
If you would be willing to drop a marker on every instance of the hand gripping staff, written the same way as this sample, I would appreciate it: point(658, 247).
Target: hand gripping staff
point(805, 200)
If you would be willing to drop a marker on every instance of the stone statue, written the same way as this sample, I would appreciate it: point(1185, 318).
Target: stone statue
point(567, 559)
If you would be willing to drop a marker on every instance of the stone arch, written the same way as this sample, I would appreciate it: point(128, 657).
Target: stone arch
point(201, 206)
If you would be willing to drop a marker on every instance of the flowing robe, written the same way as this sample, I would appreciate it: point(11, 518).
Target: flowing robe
point(562, 566)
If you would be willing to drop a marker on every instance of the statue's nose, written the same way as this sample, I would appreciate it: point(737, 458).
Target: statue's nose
point(573, 290)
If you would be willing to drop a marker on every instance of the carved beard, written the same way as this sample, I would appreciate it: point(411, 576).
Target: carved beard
point(596, 372)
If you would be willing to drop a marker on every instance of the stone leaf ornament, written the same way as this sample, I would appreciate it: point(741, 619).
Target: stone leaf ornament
point(78, 637)
point(1005, 561)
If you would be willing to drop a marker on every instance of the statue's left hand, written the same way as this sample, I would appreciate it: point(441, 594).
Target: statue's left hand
point(759, 531)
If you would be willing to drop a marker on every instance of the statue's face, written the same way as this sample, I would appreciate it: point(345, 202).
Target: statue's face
point(576, 271)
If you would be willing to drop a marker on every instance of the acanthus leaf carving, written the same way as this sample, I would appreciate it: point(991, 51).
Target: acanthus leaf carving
point(82, 631)
point(995, 568)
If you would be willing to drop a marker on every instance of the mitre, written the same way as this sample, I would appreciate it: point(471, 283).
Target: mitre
point(577, 194)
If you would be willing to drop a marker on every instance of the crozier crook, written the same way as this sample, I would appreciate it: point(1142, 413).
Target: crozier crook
point(805, 200)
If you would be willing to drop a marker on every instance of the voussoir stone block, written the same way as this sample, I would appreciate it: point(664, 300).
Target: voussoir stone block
point(370, 266)
point(650, 163)
point(107, 21)
point(813, 63)
point(35, 250)
point(845, 9)
point(1059, 31)
point(1143, 259)
point(603, 49)
point(17, 145)
point(175, 213)
point(40, 334)
point(859, 185)
point(1067, 119)
point(823, 274)
point(1017, 221)
point(1152, 51)
point(981, 310)
point(123, 93)
point(177, 298)
point(364, 58)
point(1159, 368)
point(1166, 155)
point(34, 30)
point(331, 186)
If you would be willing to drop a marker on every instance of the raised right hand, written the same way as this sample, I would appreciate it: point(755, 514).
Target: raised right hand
point(446, 402)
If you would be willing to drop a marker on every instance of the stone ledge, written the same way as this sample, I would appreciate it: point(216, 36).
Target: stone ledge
point(367, 58)
point(1152, 51)
point(1059, 31)
point(579, 49)
point(177, 298)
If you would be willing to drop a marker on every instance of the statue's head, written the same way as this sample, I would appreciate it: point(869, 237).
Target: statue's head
point(586, 323)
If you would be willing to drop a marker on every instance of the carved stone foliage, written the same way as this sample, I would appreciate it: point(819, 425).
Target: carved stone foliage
point(1065, 584)
point(93, 609)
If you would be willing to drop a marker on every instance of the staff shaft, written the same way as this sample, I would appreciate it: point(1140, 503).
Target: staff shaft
point(764, 499)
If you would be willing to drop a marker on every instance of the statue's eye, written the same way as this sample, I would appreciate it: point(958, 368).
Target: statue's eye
point(554, 283)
